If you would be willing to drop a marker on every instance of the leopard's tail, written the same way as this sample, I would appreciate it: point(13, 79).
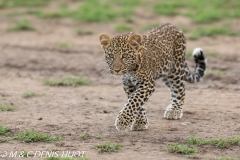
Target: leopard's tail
point(200, 67)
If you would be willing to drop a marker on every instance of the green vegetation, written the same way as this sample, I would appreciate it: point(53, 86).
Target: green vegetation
point(211, 32)
point(39, 13)
point(87, 136)
point(84, 136)
point(215, 72)
point(129, 19)
point(108, 147)
point(221, 143)
point(84, 158)
point(81, 31)
point(29, 95)
point(98, 136)
point(199, 11)
point(22, 25)
point(13, 14)
point(2, 140)
point(67, 81)
point(101, 13)
point(167, 7)
point(63, 45)
point(7, 107)
point(85, 13)
point(3, 130)
point(193, 140)
point(181, 148)
point(32, 136)
point(204, 11)
point(24, 154)
point(188, 53)
point(23, 3)
point(122, 28)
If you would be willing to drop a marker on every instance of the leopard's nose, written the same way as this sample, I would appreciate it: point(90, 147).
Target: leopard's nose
point(118, 70)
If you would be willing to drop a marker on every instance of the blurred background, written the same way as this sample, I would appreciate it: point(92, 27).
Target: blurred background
point(46, 43)
point(56, 38)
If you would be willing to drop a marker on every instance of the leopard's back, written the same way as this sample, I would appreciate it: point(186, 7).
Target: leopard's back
point(166, 46)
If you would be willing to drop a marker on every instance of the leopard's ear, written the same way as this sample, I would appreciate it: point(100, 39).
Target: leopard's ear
point(104, 40)
point(135, 41)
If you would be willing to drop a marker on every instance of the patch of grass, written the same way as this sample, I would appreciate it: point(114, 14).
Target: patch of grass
point(149, 26)
point(128, 19)
point(8, 107)
point(29, 95)
point(194, 140)
point(33, 12)
point(84, 136)
point(87, 136)
point(24, 154)
point(3, 130)
point(13, 14)
point(212, 32)
point(67, 81)
point(122, 28)
point(2, 140)
point(209, 54)
point(84, 158)
point(81, 31)
point(108, 147)
point(182, 149)
point(203, 11)
point(188, 54)
point(98, 136)
point(234, 140)
point(104, 11)
point(64, 45)
point(207, 15)
point(167, 7)
point(39, 13)
point(215, 72)
point(32, 136)
point(220, 143)
point(22, 25)
point(23, 3)
point(127, 3)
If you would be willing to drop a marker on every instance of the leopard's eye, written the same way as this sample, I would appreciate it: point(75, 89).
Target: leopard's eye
point(109, 55)
point(124, 55)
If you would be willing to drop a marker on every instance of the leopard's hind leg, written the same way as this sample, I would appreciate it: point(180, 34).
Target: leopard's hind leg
point(177, 88)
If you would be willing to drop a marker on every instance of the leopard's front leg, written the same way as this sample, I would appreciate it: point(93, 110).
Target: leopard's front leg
point(133, 115)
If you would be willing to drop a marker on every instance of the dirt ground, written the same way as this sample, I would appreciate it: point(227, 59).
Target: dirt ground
point(211, 108)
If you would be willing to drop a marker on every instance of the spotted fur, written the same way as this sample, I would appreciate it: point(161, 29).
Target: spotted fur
point(142, 59)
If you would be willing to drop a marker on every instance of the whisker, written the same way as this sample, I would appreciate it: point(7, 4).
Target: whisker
point(106, 74)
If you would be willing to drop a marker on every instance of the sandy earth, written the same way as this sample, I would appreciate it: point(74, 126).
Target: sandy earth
point(211, 109)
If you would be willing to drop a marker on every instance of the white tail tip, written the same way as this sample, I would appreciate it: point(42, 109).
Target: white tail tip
point(197, 51)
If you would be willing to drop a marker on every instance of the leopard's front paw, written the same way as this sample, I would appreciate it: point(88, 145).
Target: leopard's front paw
point(173, 113)
point(124, 122)
point(141, 122)
point(140, 125)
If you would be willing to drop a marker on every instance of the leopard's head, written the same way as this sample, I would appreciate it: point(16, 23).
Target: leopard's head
point(122, 53)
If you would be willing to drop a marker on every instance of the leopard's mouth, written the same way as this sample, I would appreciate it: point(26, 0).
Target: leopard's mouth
point(120, 72)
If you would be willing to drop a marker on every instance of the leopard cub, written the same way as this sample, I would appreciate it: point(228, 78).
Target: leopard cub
point(142, 59)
